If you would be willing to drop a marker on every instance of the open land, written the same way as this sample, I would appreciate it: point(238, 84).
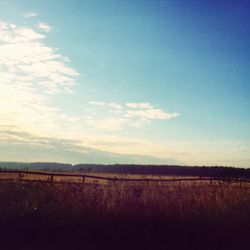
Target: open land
point(69, 214)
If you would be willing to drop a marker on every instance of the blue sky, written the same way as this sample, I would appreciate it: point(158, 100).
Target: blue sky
point(127, 81)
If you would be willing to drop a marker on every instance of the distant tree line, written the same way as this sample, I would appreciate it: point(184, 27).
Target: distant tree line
point(203, 171)
point(36, 166)
point(218, 171)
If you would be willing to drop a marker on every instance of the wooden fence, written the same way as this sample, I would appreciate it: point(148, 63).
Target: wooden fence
point(20, 174)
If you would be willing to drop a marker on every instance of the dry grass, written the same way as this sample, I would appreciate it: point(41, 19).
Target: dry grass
point(128, 210)
point(187, 199)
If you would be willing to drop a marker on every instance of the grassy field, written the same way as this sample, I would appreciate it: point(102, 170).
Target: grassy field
point(78, 179)
point(120, 215)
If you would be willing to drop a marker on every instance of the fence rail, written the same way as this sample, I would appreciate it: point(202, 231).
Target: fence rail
point(114, 179)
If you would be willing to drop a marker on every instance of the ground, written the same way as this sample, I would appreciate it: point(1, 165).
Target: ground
point(124, 215)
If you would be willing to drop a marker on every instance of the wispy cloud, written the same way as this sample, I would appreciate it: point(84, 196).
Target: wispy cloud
point(26, 58)
point(142, 105)
point(97, 103)
point(30, 14)
point(129, 114)
point(44, 26)
point(104, 104)
point(151, 114)
point(115, 105)
point(30, 72)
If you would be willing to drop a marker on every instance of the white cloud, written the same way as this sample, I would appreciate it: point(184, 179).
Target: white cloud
point(11, 34)
point(97, 103)
point(147, 111)
point(29, 70)
point(30, 14)
point(115, 105)
point(143, 105)
point(111, 104)
point(151, 114)
point(129, 114)
point(24, 54)
point(44, 26)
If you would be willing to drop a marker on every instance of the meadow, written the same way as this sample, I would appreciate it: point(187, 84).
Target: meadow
point(124, 215)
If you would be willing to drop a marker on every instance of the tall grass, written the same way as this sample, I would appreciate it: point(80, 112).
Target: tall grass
point(72, 213)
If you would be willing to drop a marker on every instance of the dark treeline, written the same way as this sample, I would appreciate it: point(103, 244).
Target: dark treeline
point(36, 166)
point(229, 172)
point(175, 170)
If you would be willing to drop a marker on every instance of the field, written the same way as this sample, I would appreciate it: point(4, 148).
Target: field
point(124, 215)
point(72, 176)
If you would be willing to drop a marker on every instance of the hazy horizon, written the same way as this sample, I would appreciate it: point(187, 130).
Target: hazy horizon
point(144, 82)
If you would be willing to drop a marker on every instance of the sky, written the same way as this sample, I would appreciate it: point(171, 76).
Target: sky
point(146, 82)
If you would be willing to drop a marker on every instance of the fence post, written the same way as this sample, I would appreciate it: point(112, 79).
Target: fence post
point(83, 179)
point(211, 181)
point(19, 176)
point(51, 178)
point(240, 183)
